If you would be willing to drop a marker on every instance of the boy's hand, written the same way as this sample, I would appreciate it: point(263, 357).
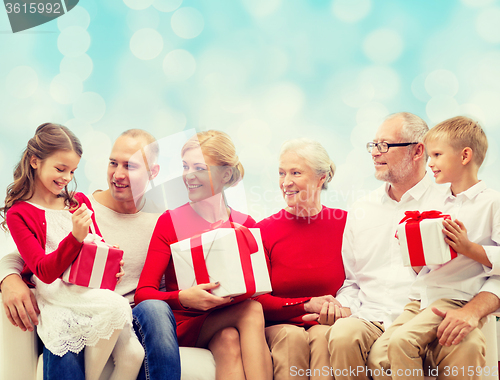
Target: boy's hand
point(456, 236)
point(81, 222)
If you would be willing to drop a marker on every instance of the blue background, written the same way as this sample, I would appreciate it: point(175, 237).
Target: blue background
point(261, 70)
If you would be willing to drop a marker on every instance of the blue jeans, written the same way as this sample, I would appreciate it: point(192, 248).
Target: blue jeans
point(70, 366)
point(154, 325)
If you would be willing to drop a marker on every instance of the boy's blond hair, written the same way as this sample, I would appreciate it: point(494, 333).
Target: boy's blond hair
point(461, 132)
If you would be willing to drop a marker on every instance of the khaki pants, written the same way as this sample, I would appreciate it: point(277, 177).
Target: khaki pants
point(410, 345)
point(298, 353)
point(349, 343)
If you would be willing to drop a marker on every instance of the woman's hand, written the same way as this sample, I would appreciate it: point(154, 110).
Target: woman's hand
point(119, 275)
point(197, 297)
point(81, 222)
point(315, 304)
point(329, 314)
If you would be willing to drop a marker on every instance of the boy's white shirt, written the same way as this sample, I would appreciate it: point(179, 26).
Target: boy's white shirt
point(478, 208)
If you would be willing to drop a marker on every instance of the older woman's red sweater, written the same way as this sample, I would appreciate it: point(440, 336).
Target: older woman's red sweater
point(304, 259)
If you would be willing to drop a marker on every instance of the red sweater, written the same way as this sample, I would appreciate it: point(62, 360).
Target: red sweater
point(28, 228)
point(175, 225)
point(304, 259)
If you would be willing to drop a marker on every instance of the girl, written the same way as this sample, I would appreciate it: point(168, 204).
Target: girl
point(48, 225)
point(235, 333)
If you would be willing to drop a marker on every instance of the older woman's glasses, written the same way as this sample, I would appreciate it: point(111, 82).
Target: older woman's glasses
point(383, 147)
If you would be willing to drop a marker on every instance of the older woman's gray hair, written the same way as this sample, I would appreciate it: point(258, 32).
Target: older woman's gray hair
point(314, 154)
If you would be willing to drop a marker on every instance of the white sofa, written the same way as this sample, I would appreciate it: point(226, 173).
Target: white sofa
point(20, 359)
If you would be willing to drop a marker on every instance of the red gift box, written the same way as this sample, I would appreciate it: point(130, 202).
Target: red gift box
point(422, 240)
point(96, 265)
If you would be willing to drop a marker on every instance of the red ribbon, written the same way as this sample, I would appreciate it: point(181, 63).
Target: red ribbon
point(413, 236)
point(246, 246)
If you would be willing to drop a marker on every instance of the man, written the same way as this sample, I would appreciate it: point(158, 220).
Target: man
point(121, 219)
point(377, 285)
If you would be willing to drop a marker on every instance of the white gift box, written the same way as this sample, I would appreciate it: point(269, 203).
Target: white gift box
point(221, 253)
point(422, 242)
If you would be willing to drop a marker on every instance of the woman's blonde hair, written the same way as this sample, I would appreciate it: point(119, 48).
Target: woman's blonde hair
point(49, 138)
point(220, 149)
point(315, 156)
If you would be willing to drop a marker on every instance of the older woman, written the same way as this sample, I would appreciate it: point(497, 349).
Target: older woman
point(303, 246)
point(234, 333)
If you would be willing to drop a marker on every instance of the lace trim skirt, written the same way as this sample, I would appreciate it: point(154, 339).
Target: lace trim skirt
point(72, 316)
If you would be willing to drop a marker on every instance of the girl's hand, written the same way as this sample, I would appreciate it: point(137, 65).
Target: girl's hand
point(197, 297)
point(119, 276)
point(81, 222)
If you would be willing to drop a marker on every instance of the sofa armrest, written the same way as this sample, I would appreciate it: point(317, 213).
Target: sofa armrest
point(18, 350)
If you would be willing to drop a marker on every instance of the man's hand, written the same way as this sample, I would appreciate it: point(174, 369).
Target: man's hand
point(330, 313)
point(197, 297)
point(456, 325)
point(315, 304)
point(119, 275)
point(19, 303)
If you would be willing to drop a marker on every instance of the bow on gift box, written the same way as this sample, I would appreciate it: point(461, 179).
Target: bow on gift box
point(414, 237)
point(417, 216)
point(246, 246)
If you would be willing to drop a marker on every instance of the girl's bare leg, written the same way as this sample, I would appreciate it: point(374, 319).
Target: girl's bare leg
point(247, 317)
point(225, 346)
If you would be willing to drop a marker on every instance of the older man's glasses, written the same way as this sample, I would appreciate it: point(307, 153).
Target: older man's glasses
point(383, 147)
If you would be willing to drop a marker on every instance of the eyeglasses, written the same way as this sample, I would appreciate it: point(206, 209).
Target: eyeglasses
point(383, 147)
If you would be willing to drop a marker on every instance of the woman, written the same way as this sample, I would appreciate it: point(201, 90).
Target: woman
point(234, 333)
point(303, 247)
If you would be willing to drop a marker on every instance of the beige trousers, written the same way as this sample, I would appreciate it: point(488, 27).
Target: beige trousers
point(410, 347)
point(299, 353)
point(349, 343)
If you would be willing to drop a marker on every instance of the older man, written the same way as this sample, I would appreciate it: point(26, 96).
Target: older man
point(377, 285)
point(120, 214)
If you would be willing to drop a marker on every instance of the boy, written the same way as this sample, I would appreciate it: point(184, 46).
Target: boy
point(456, 148)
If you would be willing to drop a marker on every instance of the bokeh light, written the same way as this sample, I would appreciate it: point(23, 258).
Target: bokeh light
point(77, 17)
point(80, 66)
point(351, 10)
point(167, 5)
point(73, 41)
point(488, 25)
point(261, 8)
point(187, 22)
point(146, 44)
point(66, 88)
point(179, 65)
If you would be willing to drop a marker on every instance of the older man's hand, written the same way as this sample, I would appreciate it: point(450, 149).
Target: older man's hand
point(315, 304)
point(329, 314)
point(456, 325)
